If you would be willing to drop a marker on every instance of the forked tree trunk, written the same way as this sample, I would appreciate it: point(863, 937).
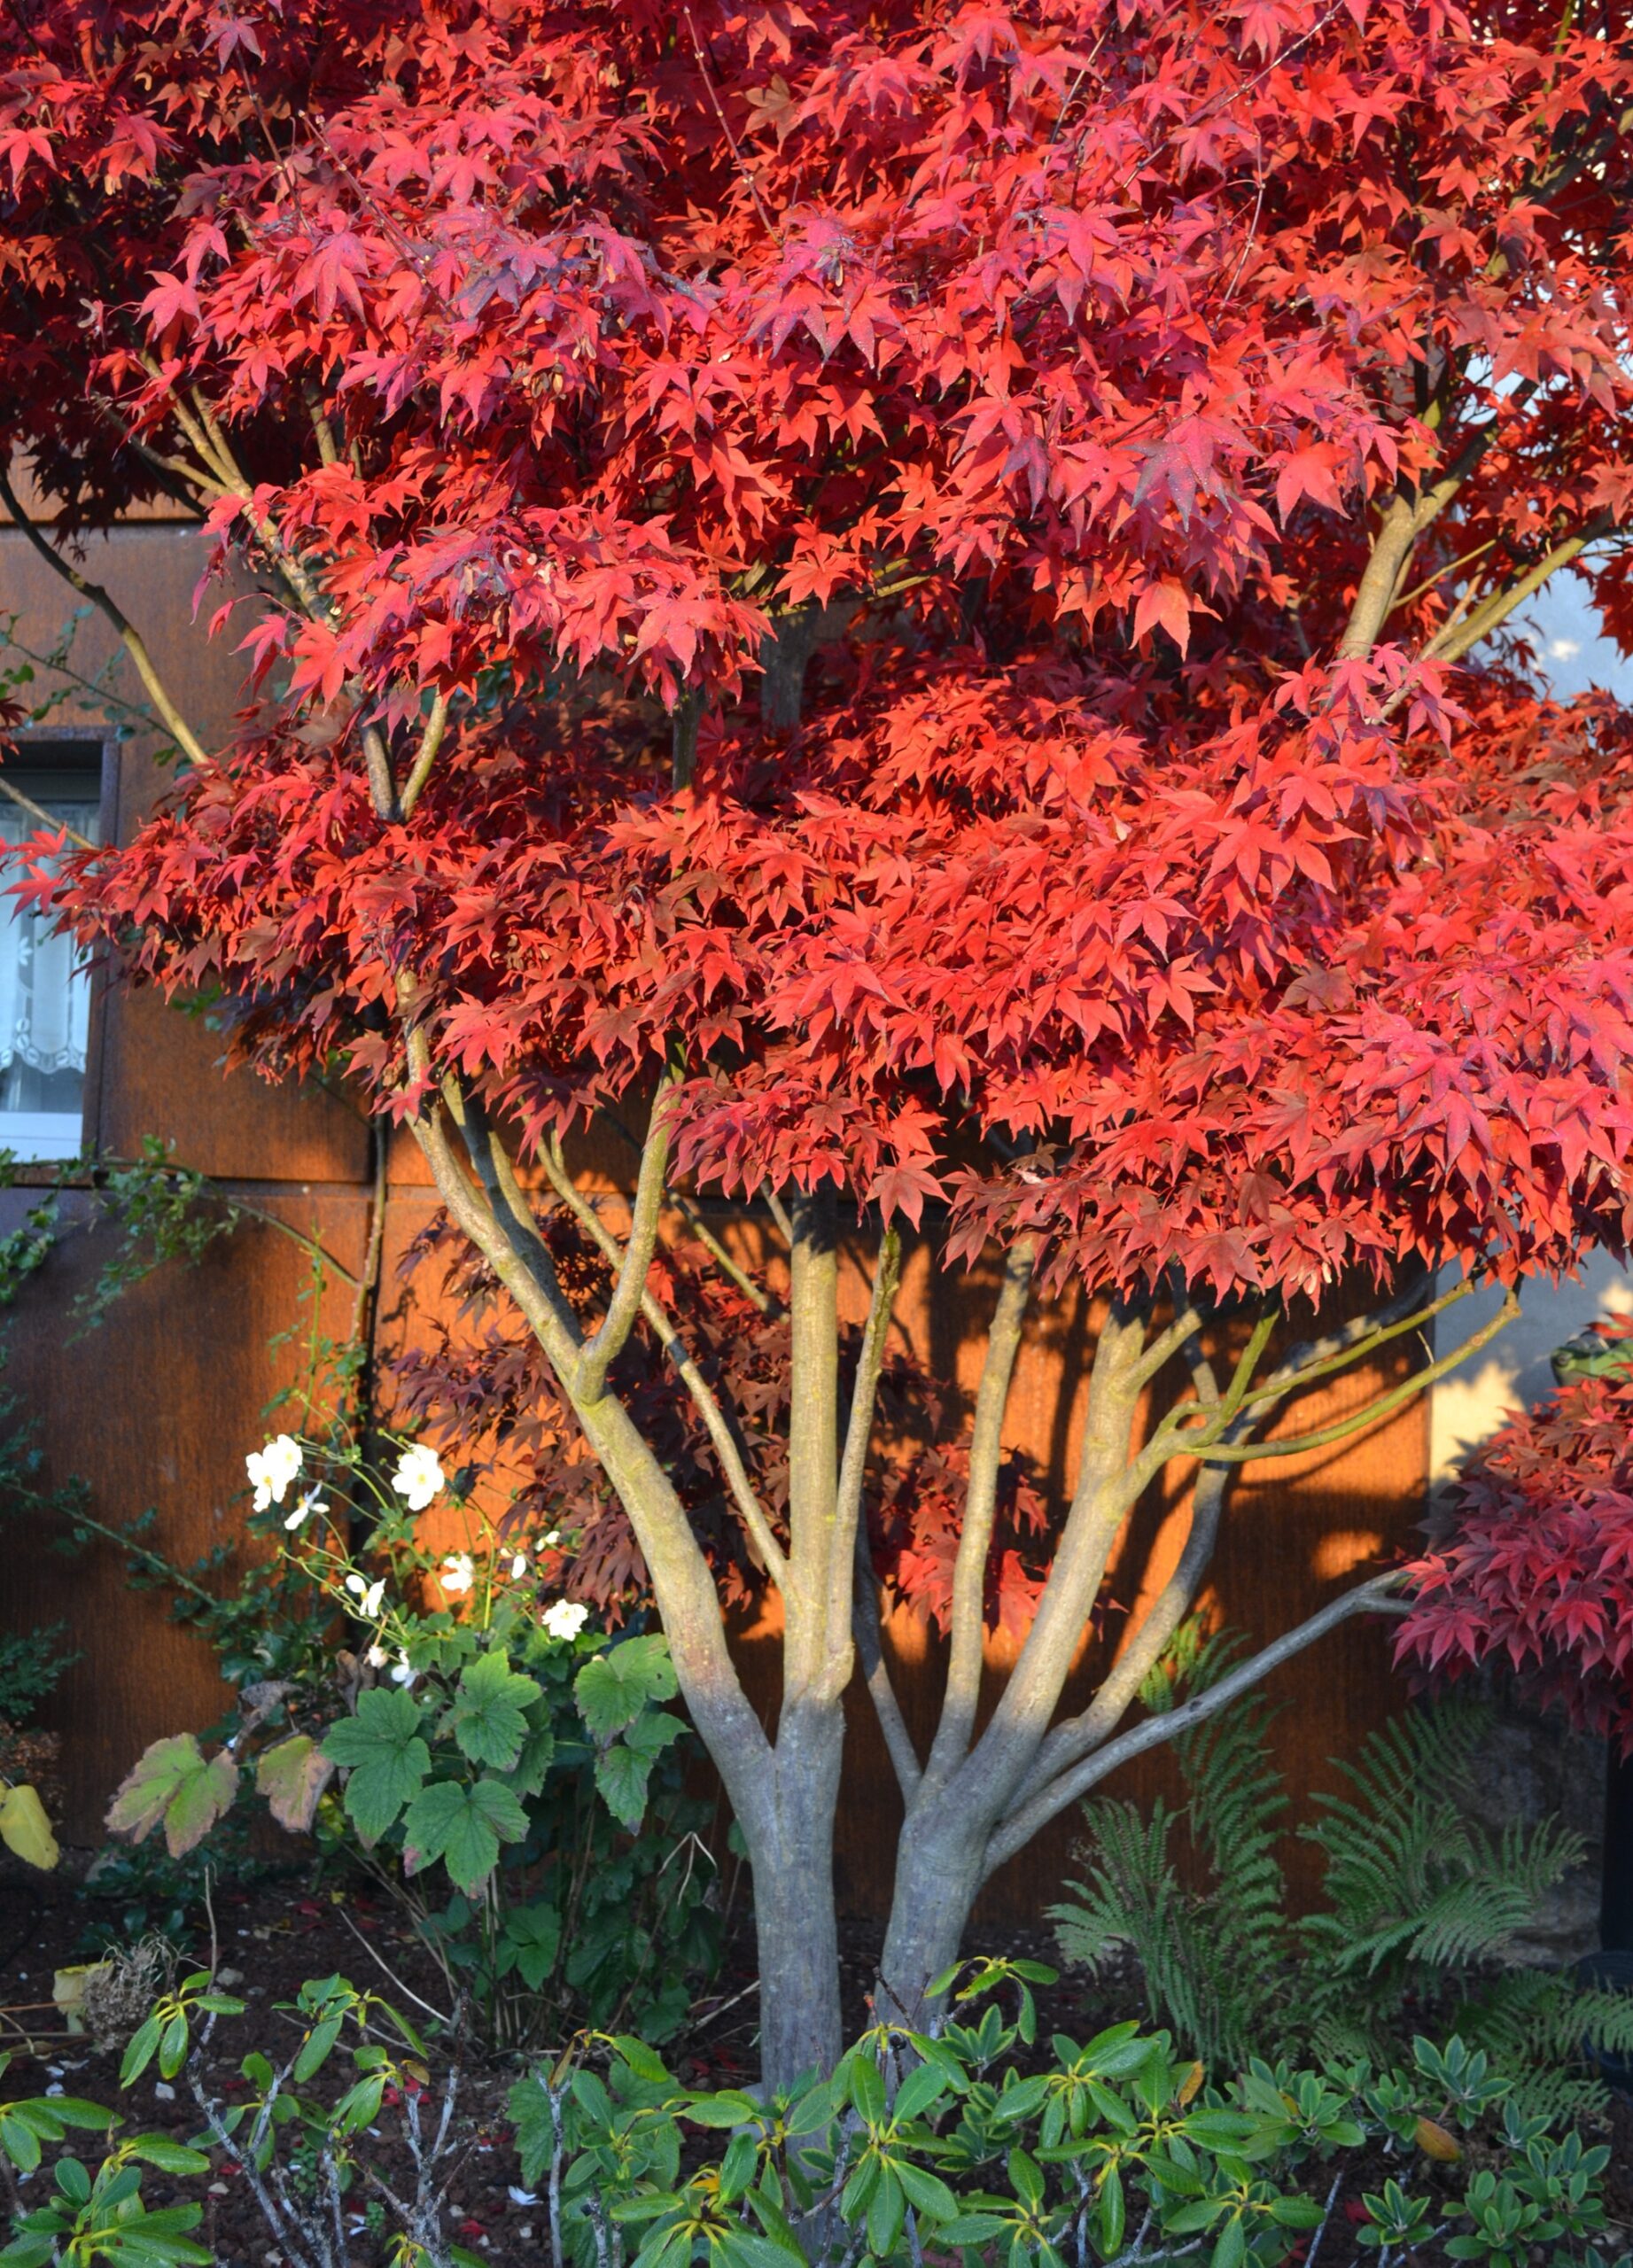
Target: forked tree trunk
point(791, 1843)
point(938, 1877)
point(982, 1792)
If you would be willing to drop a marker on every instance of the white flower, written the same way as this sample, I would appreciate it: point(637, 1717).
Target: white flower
point(272, 1469)
point(565, 1619)
point(377, 1657)
point(367, 1595)
point(519, 1566)
point(457, 1573)
point(553, 1539)
point(309, 1503)
point(418, 1477)
point(405, 1673)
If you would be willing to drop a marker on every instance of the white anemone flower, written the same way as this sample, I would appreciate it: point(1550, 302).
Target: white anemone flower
point(310, 1502)
point(271, 1469)
point(553, 1539)
point(405, 1673)
point(377, 1657)
point(457, 1573)
point(565, 1619)
point(418, 1477)
point(519, 1566)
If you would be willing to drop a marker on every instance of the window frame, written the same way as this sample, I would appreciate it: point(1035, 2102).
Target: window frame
point(41, 750)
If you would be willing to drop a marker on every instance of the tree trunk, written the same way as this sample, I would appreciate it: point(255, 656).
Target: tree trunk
point(939, 1875)
point(791, 1852)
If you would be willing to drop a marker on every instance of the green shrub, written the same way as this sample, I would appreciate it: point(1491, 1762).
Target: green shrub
point(507, 1772)
point(969, 2144)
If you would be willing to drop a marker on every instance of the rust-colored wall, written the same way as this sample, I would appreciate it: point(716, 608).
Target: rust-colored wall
point(158, 1407)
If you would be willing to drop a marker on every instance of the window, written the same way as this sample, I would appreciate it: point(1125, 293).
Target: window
point(45, 980)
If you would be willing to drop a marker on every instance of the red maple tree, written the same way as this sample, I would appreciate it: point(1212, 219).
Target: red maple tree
point(1532, 1563)
point(919, 598)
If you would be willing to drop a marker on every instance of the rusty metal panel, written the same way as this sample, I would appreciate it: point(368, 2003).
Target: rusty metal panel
point(156, 1409)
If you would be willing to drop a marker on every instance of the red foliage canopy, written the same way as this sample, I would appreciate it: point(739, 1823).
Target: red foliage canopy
point(1536, 1567)
point(1055, 362)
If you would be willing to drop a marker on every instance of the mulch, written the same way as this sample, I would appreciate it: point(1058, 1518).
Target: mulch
point(274, 1935)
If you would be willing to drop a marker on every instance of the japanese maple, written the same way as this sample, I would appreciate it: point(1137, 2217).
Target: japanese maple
point(917, 600)
point(1532, 1563)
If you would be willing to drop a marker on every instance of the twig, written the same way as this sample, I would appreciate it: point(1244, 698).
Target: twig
point(738, 158)
point(175, 723)
point(36, 811)
point(386, 1970)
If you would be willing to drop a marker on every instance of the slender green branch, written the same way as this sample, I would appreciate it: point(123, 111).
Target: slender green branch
point(1343, 1429)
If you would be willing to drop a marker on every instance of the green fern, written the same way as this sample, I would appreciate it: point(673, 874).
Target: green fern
point(1421, 1904)
point(1215, 1968)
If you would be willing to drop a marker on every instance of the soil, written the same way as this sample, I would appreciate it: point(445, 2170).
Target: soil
point(276, 1935)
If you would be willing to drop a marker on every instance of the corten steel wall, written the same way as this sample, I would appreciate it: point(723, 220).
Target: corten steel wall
point(159, 1406)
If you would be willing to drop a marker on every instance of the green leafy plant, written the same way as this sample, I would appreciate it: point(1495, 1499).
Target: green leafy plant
point(960, 2143)
point(508, 1773)
point(300, 2145)
point(1419, 1902)
point(93, 2217)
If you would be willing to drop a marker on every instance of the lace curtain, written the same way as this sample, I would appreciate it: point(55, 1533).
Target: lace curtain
point(44, 989)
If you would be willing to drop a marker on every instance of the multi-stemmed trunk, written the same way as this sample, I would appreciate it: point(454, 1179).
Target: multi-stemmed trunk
point(983, 1789)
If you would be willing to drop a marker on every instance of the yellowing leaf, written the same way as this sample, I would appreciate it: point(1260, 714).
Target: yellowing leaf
point(25, 1830)
point(173, 1782)
point(1188, 2085)
point(292, 1777)
point(1433, 2140)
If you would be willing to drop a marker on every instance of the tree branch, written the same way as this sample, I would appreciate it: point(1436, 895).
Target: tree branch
point(813, 1441)
point(868, 1629)
point(717, 1423)
point(967, 1613)
point(681, 1579)
point(1075, 1736)
point(170, 716)
point(1016, 1830)
point(1342, 1428)
point(430, 743)
point(1099, 1504)
point(858, 1434)
point(590, 1382)
point(1454, 640)
point(37, 812)
point(767, 1304)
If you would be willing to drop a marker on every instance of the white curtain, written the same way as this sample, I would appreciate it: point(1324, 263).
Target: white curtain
point(45, 987)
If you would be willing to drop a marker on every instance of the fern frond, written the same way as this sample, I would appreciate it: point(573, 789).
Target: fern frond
point(1421, 1904)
